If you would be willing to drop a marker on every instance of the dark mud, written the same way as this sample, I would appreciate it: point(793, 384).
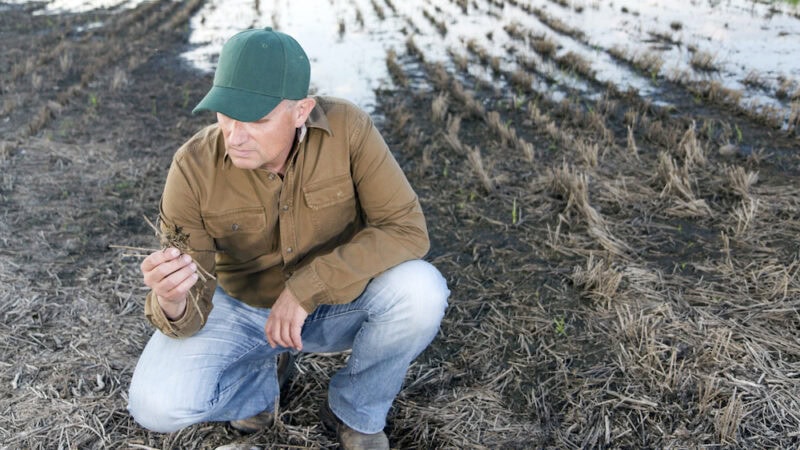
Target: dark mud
point(623, 275)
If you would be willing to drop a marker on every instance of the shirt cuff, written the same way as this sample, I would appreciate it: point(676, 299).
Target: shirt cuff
point(308, 288)
point(191, 321)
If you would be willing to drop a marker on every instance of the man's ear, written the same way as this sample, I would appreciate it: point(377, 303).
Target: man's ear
point(303, 109)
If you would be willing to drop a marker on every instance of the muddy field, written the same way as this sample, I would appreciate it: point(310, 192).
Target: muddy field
point(624, 274)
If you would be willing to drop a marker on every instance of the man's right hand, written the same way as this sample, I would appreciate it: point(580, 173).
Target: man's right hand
point(170, 275)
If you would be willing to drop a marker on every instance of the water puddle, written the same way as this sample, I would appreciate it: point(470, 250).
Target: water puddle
point(79, 6)
point(348, 63)
point(750, 46)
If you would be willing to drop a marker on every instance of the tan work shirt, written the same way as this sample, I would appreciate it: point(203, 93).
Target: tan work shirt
point(343, 213)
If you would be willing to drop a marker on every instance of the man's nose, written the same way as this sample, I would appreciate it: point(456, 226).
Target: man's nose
point(237, 134)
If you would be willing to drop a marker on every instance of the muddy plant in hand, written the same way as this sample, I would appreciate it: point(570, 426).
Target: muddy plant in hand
point(173, 236)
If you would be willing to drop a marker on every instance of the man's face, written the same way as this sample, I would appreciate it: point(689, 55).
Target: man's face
point(265, 143)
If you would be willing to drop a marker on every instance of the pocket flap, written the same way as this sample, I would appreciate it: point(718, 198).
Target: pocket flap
point(329, 192)
point(237, 221)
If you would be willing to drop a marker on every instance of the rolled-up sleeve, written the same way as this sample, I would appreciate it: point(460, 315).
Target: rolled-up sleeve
point(180, 210)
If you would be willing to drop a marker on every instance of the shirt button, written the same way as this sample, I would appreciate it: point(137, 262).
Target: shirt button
point(235, 227)
point(285, 207)
point(271, 176)
point(289, 250)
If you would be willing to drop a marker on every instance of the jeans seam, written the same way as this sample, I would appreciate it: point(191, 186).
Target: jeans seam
point(338, 314)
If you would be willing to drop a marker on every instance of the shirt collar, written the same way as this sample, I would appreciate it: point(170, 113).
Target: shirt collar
point(318, 119)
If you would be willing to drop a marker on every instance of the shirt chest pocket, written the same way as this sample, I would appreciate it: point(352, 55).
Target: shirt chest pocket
point(241, 235)
point(331, 206)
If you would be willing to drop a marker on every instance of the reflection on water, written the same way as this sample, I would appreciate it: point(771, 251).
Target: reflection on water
point(347, 63)
point(347, 40)
point(76, 6)
point(741, 36)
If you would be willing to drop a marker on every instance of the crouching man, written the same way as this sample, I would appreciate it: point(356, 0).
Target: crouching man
point(314, 235)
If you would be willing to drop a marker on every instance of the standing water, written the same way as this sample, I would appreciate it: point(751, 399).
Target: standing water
point(748, 46)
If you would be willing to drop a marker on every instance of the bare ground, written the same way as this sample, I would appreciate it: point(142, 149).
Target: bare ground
point(623, 275)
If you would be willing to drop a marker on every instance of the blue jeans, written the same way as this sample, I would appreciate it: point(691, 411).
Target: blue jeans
point(227, 370)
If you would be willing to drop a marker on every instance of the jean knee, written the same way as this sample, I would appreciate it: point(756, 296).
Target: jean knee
point(156, 410)
point(148, 411)
point(424, 291)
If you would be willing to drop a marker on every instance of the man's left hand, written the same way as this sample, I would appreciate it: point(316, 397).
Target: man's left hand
point(285, 322)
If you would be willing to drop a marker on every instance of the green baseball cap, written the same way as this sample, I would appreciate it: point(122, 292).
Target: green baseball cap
point(257, 69)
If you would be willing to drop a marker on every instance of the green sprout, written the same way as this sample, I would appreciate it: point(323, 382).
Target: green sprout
point(560, 326)
point(185, 96)
point(514, 212)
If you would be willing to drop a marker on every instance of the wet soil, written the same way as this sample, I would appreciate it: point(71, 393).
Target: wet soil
point(602, 297)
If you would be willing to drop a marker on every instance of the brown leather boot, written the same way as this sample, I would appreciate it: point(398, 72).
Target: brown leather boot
point(264, 419)
point(350, 439)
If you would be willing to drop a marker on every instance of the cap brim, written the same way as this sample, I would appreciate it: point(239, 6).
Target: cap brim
point(237, 104)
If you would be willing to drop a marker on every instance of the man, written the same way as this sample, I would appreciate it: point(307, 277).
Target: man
point(315, 237)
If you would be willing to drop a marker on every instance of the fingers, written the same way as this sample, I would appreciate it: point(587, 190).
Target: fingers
point(269, 331)
point(274, 330)
point(182, 288)
point(169, 274)
point(283, 333)
point(289, 337)
point(294, 332)
point(156, 258)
